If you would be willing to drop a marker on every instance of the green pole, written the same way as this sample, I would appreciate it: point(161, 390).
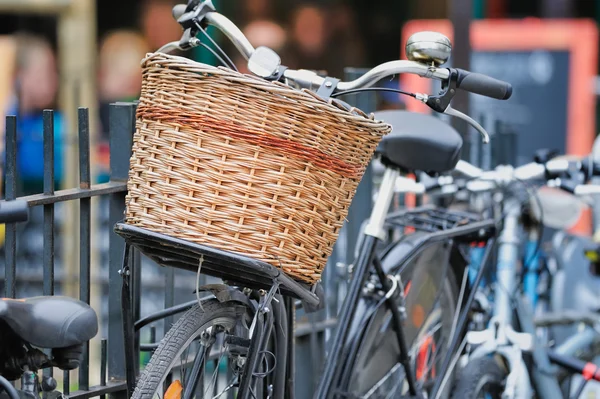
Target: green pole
point(479, 9)
point(201, 54)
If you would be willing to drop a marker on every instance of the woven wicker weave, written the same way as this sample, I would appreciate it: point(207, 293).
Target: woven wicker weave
point(245, 165)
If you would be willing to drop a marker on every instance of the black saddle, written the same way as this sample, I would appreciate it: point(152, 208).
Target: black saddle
point(50, 322)
point(419, 142)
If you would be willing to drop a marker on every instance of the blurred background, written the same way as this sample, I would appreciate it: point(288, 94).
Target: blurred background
point(64, 54)
point(54, 57)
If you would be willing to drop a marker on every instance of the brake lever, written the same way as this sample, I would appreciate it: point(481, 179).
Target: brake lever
point(441, 103)
point(452, 112)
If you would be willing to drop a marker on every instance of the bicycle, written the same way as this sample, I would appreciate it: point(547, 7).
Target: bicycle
point(249, 318)
point(498, 362)
point(60, 324)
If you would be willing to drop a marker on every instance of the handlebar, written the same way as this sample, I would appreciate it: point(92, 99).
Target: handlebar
point(575, 189)
point(234, 34)
point(480, 180)
point(484, 85)
point(473, 82)
point(310, 80)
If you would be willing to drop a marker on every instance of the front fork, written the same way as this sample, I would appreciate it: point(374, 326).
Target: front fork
point(374, 231)
point(500, 338)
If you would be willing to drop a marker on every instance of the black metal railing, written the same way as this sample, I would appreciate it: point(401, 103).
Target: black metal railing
point(122, 117)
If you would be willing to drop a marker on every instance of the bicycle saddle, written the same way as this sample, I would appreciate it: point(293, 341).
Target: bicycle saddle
point(419, 142)
point(50, 321)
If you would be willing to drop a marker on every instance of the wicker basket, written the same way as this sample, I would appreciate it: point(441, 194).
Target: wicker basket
point(245, 165)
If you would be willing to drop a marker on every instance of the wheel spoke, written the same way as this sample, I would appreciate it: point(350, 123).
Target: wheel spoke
point(215, 374)
point(434, 358)
point(394, 388)
point(229, 386)
point(417, 345)
point(216, 363)
point(381, 382)
point(195, 372)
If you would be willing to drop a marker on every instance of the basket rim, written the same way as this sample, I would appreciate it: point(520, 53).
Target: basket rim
point(157, 60)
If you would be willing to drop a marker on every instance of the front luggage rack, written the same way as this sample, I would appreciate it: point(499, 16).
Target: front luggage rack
point(232, 268)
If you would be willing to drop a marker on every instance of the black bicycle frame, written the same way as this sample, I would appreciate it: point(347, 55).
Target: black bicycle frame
point(338, 350)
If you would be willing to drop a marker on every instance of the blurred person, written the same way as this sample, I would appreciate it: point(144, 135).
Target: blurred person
point(309, 39)
point(157, 22)
point(344, 36)
point(119, 68)
point(266, 33)
point(261, 33)
point(119, 79)
point(312, 45)
point(256, 10)
point(35, 89)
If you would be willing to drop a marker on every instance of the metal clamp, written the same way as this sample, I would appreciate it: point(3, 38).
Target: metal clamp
point(327, 87)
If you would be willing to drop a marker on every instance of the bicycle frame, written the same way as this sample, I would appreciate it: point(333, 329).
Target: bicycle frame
point(500, 337)
point(373, 233)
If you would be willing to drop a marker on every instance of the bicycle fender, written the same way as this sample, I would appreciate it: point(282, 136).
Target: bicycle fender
point(224, 293)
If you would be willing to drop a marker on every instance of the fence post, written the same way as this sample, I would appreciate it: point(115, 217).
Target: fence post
point(121, 128)
point(11, 193)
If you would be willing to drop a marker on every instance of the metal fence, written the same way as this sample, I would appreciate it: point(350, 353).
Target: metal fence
point(312, 331)
point(121, 128)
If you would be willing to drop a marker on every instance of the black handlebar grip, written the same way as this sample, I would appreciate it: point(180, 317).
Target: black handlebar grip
point(482, 84)
point(14, 211)
point(178, 11)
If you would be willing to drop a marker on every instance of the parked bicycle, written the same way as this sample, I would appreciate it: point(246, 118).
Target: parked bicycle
point(401, 308)
point(499, 361)
point(56, 323)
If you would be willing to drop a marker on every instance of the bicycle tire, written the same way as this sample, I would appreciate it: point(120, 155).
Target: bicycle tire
point(189, 326)
point(476, 375)
point(371, 352)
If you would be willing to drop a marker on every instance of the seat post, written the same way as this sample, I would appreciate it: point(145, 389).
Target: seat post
point(382, 204)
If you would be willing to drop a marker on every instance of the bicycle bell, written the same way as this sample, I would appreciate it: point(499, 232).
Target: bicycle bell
point(428, 47)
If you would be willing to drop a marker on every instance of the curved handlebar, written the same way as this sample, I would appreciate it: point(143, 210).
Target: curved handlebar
point(310, 80)
point(230, 30)
point(476, 83)
point(587, 189)
point(240, 41)
point(220, 22)
point(394, 68)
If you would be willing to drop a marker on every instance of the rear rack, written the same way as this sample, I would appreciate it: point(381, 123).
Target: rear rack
point(430, 219)
point(230, 267)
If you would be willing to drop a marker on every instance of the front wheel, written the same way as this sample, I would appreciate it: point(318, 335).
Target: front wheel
point(481, 378)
